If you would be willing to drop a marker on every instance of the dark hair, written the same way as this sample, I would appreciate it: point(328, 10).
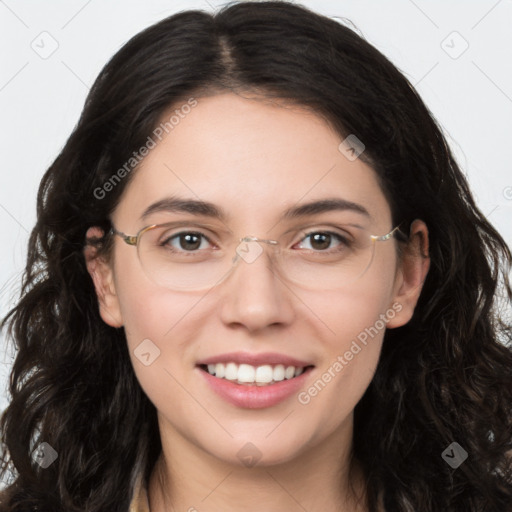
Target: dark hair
point(445, 376)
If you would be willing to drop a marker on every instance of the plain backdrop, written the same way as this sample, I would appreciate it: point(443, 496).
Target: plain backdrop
point(457, 54)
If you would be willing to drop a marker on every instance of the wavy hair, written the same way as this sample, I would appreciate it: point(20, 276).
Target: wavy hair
point(445, 376)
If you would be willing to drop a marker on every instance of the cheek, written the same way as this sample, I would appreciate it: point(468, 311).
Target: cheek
point(157, 314)
point(159, 329)
point(154, 319)
point(357, 323)
point(357, 314)
point(148, 310)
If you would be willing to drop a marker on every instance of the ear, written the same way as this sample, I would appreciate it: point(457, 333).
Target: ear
point(101, 273)
point(411, 274)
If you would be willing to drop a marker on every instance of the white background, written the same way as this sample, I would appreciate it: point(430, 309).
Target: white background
point(41, 98)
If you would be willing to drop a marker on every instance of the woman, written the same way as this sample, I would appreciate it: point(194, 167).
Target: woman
point(258, 280)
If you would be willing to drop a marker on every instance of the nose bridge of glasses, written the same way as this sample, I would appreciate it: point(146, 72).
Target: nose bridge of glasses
point(250, 238)
point(250, 248)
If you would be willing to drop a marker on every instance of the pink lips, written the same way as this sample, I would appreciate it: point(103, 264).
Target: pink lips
point(254, 396)
point(271, 358)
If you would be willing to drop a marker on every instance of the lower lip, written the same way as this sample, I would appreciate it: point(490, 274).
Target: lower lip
point(253, 396)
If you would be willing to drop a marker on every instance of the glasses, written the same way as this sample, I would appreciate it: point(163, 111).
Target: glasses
point(178, 256)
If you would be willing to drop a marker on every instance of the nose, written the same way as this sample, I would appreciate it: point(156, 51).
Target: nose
point(254, 294)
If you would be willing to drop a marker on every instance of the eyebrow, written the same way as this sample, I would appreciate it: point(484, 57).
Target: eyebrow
point(207, 209)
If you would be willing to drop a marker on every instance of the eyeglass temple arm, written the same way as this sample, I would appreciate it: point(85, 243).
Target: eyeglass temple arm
point(400, 234)
point(129, 239)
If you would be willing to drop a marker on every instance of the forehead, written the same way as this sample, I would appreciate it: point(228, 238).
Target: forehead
point(253, 158)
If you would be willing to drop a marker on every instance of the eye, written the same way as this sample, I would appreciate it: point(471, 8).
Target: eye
point(187, 241)
point(321, 240)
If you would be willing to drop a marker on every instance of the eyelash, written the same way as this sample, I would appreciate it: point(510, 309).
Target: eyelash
point(344, 241)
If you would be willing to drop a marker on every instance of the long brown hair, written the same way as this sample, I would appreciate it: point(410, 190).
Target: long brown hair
point(445, 376)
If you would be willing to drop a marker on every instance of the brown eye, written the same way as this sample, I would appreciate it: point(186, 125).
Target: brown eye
point(322, 240)
point(185, 241)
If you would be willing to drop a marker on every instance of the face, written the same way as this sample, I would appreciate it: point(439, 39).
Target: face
point(254, 160)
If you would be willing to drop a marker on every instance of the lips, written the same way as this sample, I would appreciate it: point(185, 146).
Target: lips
point(254, 388)
point(264, 358)
point(255, 396)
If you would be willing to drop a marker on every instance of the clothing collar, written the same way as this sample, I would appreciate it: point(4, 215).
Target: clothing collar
point(140, 501)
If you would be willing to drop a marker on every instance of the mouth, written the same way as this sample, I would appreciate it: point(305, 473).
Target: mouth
point(249, 375)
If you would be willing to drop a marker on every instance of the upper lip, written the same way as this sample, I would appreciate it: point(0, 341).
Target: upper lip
point(264, 358)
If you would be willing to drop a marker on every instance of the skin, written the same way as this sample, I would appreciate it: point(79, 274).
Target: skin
point(254, 159)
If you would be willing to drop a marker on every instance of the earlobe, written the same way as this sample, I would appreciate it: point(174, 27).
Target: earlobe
point(411, 276)
point(102, 276)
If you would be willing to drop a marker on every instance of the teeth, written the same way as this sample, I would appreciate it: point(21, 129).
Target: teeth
point(279, 372)
point(231, 371)
point(248, 374)
point(220, 370)
point(289, 373)
point(264, 374)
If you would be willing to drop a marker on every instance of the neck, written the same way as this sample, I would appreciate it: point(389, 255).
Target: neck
point(186, 478)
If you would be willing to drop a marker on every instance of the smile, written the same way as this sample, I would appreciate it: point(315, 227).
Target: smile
point(280, 383)
point(246, 374)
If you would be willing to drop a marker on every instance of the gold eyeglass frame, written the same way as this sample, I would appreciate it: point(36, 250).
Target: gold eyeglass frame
point(134, 239)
